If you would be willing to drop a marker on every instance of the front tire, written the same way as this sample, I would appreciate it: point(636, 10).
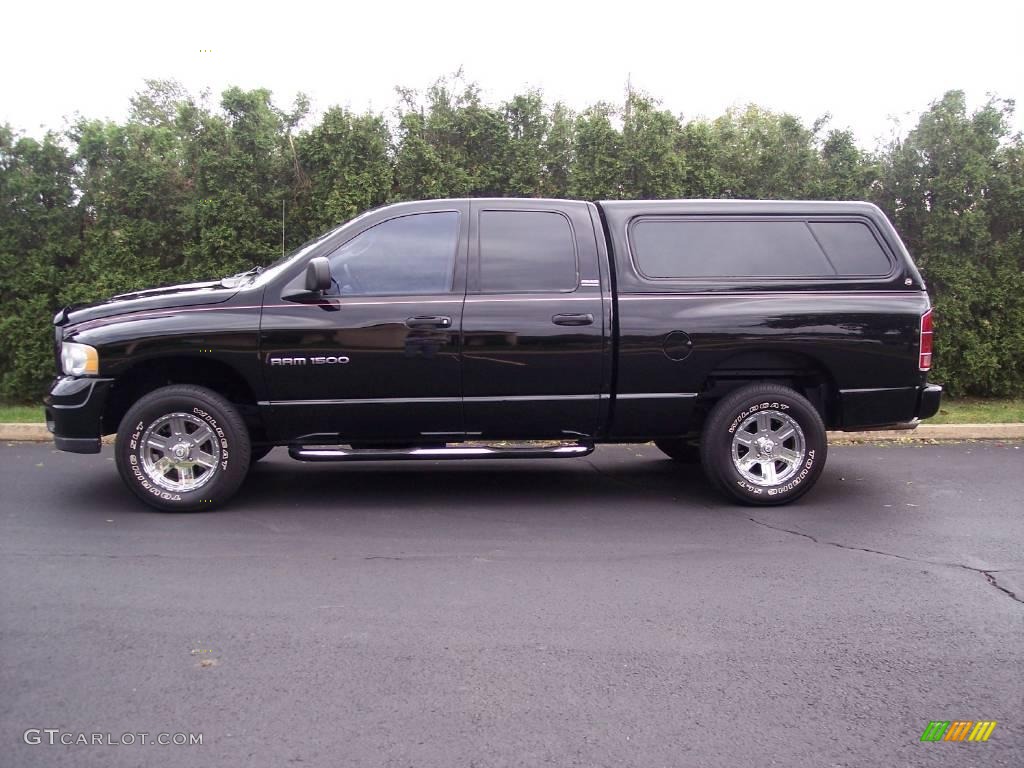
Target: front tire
point(182, 448)
point(764, 445)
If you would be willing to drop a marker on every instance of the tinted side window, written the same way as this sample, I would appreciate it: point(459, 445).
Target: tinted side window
point(726, 248)
point(412, 254)
point(526, 251)
point(851, 247)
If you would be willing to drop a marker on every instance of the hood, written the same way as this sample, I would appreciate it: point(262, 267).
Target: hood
point(185, 295)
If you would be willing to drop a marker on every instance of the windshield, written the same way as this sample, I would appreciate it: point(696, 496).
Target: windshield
point(272, 269)
point(300, 250)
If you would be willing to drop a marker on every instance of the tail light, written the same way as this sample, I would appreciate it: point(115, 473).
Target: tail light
point(926, 341)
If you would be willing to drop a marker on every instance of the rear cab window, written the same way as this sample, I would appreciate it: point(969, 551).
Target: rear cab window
point(525, 251)
point(709, 247)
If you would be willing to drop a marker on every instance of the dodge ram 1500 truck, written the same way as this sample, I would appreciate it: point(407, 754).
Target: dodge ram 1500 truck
point(728, 332)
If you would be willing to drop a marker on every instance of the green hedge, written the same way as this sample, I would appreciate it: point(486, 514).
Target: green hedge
point(183, 190)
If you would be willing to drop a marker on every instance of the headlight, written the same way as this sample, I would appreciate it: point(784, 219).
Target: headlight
point(79, 359)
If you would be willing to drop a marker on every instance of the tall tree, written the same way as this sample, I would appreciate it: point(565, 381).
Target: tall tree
point(558, 152)
point(39, 245)
point(950, 187)
point(845, 171)
point(764, 155)
point(343, 168)
point(528, 125)
point(597, 169)
point(654, 165)
point(241, 162)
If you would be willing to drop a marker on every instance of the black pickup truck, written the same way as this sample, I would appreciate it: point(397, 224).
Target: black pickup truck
point(733, 333)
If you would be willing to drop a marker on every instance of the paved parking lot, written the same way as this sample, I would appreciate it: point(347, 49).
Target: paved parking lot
point(610, 611)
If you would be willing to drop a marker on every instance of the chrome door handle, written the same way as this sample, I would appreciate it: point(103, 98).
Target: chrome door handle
point(582, 319)
point(429, 321)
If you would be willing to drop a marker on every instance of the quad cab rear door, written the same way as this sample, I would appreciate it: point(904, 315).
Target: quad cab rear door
point(536, 321)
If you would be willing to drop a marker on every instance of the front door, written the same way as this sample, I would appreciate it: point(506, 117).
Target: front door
point(377, 358)
point(535, 357)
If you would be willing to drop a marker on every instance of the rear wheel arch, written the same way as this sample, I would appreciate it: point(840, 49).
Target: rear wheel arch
point(799, 371)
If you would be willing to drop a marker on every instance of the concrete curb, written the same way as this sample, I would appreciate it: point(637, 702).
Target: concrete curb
point(926, 432)
point(37, 433)
point(33, 433)
point(30, 433)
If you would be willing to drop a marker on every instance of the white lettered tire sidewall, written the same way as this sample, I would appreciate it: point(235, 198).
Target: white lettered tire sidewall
point(210, 408)
point(730, 412)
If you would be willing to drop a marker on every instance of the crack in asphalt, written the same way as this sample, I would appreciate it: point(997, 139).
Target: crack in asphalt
point(100, 555)
point(992, 580)
point(987, 573)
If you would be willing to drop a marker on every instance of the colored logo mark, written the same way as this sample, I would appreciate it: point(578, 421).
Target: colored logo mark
point(958, 730)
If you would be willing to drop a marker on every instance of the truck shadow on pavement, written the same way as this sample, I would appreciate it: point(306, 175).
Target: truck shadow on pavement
point(497, 488)
point(511, 487)
point(561, 484)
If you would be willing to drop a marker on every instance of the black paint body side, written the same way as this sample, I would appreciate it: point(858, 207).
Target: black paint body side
point(503, 369)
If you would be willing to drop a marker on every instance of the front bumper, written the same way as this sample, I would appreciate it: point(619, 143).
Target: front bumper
point(74, 412)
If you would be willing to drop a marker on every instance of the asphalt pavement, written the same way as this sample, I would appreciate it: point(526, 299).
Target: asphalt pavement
point(608, 611)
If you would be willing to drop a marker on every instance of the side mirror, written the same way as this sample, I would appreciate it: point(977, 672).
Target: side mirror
point(318, 275)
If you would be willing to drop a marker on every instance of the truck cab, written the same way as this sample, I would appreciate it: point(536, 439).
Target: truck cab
point(446, 319)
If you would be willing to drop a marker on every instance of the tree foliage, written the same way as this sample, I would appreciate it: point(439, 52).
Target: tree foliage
point(954, 188)
point(185, 190)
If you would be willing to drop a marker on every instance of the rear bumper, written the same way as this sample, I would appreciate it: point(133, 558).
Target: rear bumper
point(887, 407)
point(929, 401)
point(74, 412)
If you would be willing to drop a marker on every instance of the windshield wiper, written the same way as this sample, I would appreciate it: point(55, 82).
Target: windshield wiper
point(233, 280)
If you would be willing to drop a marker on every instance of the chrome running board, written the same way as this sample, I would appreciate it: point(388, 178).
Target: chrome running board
point(339, 453)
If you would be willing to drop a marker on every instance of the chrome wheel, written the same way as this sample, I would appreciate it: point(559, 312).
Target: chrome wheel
point(768, 448)
point(179, 452)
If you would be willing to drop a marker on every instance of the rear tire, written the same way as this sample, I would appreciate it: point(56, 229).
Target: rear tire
point(764, 445)
point(182, 448)
point(680, 449)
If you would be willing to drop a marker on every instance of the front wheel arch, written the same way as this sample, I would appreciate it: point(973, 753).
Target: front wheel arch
point(149, 375)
